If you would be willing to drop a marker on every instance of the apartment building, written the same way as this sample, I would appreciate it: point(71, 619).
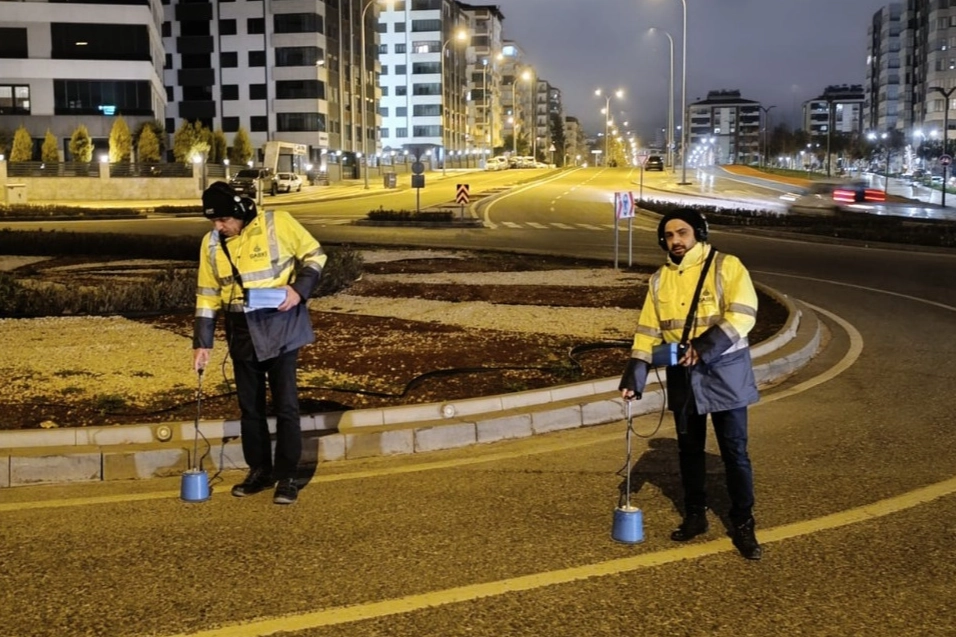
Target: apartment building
point(484, 76)
point(62, 66)
point(516, 78)
point(576, 150)
point(725, 128)
point(285, 71)
point(424, 83)
point(839, 109)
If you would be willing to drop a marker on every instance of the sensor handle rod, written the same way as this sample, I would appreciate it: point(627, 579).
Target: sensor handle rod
point(198, 417)
point(627, 436)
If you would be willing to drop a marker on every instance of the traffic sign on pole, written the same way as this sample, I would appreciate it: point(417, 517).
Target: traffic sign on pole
point(462, 194)
point(624, 205)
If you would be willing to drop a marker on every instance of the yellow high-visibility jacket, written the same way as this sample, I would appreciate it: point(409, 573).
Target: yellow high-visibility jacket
point(726, 312)
point(271, 251)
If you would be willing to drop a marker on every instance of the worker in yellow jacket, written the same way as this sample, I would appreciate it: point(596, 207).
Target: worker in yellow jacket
point(713, 373)
point(259, 270)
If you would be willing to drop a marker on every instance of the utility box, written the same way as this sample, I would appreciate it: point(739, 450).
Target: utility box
point(391, 180)
point(16, 193)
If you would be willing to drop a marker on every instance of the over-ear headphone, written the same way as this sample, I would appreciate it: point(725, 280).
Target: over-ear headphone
point(693, 218)
point(245, 209)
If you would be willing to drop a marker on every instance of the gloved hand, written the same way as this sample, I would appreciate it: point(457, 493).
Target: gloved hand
point(633, 379)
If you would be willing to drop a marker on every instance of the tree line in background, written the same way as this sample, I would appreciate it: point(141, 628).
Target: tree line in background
point(192, 140)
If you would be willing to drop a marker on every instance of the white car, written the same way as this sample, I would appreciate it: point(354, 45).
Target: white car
point(496, 163)
point(286, 182)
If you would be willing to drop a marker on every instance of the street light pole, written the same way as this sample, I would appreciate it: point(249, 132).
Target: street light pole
point(766, 112)
point(619, 93)
point(683, 99)
point(458, 35)
point(946, 95)
point(670, 102)
point(362, 81)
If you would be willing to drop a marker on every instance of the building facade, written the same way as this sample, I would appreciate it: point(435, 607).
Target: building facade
point(424, 87)
point(58, 73)
point(839, 109)
point(724, 128)
point(484, 77)
point(284, 71)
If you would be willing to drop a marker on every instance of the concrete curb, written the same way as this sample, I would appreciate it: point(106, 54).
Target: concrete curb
point(167, 449)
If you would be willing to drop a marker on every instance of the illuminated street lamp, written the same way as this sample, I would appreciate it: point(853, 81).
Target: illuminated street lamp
point(619, 93)
point(461, 35)
point(370, 4)
point(530, 77)
point(670, 102)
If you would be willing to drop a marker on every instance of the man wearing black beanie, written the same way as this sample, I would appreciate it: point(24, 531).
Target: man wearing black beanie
point(713, 373)
point(259, 270)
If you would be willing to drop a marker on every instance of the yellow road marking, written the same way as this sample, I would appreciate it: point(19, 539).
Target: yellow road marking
point(411, 603)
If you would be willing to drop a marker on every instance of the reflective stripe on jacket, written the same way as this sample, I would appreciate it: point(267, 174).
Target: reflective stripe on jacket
point(272, 251)
point(726, 312)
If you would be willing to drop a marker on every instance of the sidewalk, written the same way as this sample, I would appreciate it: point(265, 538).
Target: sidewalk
point(162, 450)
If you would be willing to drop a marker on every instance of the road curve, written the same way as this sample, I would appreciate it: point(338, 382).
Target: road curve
point(855, 458)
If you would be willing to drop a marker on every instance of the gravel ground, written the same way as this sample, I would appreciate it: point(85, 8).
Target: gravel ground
point(67, 359)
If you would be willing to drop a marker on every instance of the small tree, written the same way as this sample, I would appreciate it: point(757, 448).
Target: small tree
point(148, 151)
point(190, 140)
point(241, 150)
point(121, 141)
point(217, 147)
point(159, 131)
point(81, 146)
point(50, 152)
point(22, 146)
point(5, 140)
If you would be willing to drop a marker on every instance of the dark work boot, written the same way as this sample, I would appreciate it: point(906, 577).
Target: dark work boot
point(745, 540)
point(694, 524)
point(257, 480)
point(286, 491)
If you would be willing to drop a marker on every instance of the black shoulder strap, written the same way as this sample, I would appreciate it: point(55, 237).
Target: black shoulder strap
point(235, 272)
point(692, 314)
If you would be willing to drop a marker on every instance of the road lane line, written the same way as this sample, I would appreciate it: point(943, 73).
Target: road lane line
point(860, 287)
point(410, 603)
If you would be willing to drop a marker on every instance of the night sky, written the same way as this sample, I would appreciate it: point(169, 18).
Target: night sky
point(777, 52)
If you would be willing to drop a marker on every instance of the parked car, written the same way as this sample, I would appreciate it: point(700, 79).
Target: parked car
point(496, 163)
point(654, 162)
point(246, 181)
point(286, 182)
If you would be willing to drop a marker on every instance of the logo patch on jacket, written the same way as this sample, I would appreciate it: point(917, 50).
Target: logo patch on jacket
point(257, 253)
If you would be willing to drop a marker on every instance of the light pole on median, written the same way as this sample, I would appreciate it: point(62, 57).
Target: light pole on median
point(370, 4)
point(670, 102)
point(946, 94)
point(766, 126)
point(619, 93)
point(461, 35)
point(683, 100)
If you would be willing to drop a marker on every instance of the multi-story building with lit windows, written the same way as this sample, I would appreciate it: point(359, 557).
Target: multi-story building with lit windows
point(725, 128)
point(839, 109)
point(285, 71)
point(484, 76)
point(423, 77)
point(61, 67)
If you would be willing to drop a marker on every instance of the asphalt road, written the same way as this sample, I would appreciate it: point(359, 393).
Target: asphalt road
point(855, 462)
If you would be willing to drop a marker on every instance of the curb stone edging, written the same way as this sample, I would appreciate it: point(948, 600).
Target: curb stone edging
point(134, 452)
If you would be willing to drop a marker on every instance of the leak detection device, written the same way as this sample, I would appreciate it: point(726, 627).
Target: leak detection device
point(667, 355)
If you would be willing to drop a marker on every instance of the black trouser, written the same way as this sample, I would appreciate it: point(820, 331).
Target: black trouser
point(731, 430)
point(251, 389)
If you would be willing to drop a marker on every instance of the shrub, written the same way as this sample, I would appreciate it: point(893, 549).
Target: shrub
point(410, 215)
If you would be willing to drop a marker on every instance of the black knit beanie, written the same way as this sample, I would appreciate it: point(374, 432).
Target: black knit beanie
point(220, 200)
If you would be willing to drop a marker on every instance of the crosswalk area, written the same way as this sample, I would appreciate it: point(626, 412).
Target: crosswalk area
point(326, 220)
point(533, 225)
